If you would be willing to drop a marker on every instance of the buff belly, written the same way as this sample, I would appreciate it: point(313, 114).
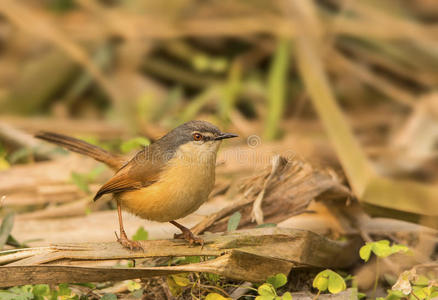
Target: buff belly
point(181, 190)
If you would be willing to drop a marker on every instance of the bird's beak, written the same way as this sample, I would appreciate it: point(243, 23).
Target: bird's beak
point(225, 136)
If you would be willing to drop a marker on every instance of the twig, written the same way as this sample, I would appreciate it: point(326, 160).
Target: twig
point(257, 212)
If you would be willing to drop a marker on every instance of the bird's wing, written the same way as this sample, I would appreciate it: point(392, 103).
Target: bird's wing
point(141, 171)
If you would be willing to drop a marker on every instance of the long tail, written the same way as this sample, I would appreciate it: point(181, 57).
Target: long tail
point(114, 161)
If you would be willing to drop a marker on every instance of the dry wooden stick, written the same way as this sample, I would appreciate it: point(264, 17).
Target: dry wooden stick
point(244, 255)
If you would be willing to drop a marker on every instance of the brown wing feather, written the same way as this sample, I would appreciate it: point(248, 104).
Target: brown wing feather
point(139, 172)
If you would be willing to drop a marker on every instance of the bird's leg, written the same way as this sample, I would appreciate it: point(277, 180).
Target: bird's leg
point(123, 239)
point(187, 234)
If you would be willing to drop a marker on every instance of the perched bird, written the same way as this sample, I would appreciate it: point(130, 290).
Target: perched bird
point(165, 181)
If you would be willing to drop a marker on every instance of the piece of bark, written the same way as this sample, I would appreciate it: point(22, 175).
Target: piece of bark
point(244, 255)
point(234, 265)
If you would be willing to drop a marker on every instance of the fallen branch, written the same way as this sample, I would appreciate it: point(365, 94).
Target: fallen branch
point(249, 255)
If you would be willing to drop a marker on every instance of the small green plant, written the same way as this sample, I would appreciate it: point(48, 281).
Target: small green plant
point(413, 287)
point(381, 249)
point(268, 290)
point(216, 296)
point(135, 288)
point(329, 280)
point(140, 235)
point(133, 285)
point(177, 283)
point(39, 292)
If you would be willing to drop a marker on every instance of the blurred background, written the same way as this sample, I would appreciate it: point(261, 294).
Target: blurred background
point(348, 87)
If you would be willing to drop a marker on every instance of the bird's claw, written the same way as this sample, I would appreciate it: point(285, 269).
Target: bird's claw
point(127, 243)
point(190, 237)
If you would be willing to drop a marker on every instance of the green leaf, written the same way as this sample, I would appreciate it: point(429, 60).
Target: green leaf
point(382, 248)
point(419, 292)
point(175, 289)
point(133, 144)
point(64, 290)
point(234, 221)
point(277, 280)
point(394, 295)
point(212, 277)
point(266, 289)
point(133, 285)
point(434, 294)
point(181, 279)
point(4, 295)
point(6, 228)
point(397, 248)
point(41, 290)
point(421, 280)
point(365, 251)
point(336, 283)
point(287, 296)
point(330, 280)
point(109, 297)
point(265, 297)
point(321, 280)
point(140, 235)
point(216, 296)
point(18, 293)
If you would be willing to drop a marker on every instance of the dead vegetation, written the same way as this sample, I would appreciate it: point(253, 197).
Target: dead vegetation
point(335, 103)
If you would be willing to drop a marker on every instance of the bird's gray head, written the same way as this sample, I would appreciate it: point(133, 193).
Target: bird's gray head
point(194, 135)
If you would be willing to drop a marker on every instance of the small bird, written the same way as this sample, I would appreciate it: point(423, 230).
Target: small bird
point(165, 181)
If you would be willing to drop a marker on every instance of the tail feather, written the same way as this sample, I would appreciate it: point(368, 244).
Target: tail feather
point(112, 160)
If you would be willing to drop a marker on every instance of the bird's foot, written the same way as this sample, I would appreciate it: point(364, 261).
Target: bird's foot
point(127, 243)
point(189, 237)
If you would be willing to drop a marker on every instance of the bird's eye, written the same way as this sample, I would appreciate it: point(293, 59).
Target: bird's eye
point(197, 136)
